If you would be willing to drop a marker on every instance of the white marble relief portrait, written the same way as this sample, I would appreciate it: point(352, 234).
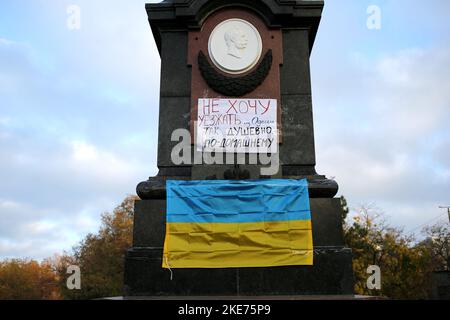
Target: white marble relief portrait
point(236, 40)
point(235, 46)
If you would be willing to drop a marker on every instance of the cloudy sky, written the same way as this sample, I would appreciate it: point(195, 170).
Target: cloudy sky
point(78, 113)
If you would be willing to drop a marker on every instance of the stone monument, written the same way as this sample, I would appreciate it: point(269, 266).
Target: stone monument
point(248, 56)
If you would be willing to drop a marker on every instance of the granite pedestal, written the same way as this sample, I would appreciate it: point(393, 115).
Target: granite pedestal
point(288, 29)
point(331, 273)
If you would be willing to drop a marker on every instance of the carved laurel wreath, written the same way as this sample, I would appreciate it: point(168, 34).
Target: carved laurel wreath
point(234, 86)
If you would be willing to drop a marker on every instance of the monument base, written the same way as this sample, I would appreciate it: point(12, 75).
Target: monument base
point(248, 298)
point(331, 273)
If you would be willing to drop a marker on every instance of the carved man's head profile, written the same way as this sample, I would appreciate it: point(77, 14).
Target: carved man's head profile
point(237, 41)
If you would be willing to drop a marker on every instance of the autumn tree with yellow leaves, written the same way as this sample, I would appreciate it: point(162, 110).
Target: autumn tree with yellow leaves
point(23, 279)
point(406, 266)
point(100, 256)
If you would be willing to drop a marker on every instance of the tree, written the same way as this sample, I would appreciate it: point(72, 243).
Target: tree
point(27, 280)
point(404, 268)
point(101, 256)
point(345, 210)
point(437, 244)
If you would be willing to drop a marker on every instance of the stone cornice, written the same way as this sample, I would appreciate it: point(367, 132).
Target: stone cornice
point(190, 14)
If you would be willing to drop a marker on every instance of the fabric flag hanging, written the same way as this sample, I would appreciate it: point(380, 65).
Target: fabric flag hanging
point(238, 223)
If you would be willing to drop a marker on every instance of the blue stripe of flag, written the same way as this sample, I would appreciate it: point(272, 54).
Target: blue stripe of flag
point(237, 201)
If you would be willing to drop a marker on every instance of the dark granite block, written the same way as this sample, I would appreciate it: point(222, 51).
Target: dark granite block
point(295, 73)
point(298, 132)
point(149, 223)
point(331, 274)
point(326, 216)
point(175, 113)
point(144, 276)
point(175, 73)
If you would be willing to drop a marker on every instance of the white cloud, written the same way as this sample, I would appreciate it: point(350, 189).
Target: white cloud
point(398, 70)
point(39, 227)
point(83, 152)
point(89, 161)
point(394, 150)
point(413, 91)
point(55, 190)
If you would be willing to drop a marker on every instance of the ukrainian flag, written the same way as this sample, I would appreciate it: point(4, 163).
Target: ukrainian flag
point(239, 223)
